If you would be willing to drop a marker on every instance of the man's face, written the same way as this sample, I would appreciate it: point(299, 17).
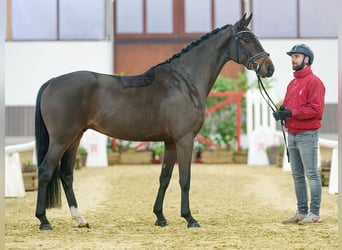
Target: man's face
point(297, 61)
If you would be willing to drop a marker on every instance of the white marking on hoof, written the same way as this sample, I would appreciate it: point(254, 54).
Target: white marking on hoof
point(76, 215)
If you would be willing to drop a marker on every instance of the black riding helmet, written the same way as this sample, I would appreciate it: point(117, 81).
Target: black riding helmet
point(302, 49)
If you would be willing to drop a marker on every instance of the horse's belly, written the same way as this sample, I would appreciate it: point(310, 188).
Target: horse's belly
point(135, 129)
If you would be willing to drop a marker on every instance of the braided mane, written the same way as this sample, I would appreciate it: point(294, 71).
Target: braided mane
point(191, 45)
point(147, 77)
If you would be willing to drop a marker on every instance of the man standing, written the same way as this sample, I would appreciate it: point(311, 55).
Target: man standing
point(302, 112)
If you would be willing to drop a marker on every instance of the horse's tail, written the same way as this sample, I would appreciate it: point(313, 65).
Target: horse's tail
point(53, 198)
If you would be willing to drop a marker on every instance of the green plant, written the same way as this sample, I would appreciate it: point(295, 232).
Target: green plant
point(220, 126)
point(109, 145)
point(157, 148)
point(124, 146)
point(28, 167)
point(81, 150)
point(223, 83)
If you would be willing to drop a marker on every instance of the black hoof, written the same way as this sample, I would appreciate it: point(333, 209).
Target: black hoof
point(162, 223)
point(193, 224)
point(45, 227)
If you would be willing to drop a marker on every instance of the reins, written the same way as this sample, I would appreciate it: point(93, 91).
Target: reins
point(274, 108)
point(251, 65)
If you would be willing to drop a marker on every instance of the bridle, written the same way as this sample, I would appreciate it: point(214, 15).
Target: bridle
point(251, 64)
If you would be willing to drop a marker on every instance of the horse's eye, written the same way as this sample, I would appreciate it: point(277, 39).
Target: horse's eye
point(246, 38)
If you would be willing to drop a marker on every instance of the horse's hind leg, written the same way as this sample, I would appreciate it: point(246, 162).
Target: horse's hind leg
point(44, 176)
point(66, 174)
point(48, 195)
point(164, 180)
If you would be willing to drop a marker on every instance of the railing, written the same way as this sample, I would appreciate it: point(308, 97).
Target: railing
point(20, 147)
point(14, 184)
point(333, 180)
point(231, 97)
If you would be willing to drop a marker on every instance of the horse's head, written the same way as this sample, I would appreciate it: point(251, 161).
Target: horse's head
point(248, 50)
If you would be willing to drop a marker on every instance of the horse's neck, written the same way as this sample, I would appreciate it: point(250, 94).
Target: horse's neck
point(202, 64)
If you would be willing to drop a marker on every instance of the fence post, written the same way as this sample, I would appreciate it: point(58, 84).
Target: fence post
point(261, 128)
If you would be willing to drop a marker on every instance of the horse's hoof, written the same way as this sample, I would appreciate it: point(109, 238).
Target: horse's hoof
point(193, 224)
point(45, 227)
point(82, 225)
point(162, 223)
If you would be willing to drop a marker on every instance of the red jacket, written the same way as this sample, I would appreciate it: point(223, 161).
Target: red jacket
point(305, 98)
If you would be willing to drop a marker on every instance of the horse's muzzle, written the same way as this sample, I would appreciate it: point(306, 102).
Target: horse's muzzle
point(270, 70)
point(265, 69)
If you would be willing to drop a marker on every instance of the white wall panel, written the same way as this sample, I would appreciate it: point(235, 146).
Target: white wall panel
point(30, 64)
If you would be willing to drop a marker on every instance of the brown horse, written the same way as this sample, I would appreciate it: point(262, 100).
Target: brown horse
point(166, 103)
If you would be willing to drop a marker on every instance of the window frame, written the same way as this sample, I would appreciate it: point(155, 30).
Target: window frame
point(298, 33)
point(178, 24)
point(9, 26)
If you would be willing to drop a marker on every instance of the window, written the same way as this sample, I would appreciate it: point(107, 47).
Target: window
point(86, 19)
point(295, 18)
point(57, 19)
point(275, 18)
point(204, 15)
point(129, 16)
point(326, 25)
point(82, 19)
point(159, 16)
point(34, 19)
point(197, 16)
point(227, 12)
point(173, 18)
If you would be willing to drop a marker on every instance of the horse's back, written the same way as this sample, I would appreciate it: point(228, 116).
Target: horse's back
point(79, 84)
point(80, 78)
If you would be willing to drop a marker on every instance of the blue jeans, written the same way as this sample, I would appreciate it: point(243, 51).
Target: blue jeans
point(303, 159)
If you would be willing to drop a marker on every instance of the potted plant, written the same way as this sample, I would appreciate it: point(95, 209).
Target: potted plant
point(81, 158)
point(325, 172)
point(240, 156)
point(30, 175)
point(157, 149)
point(113, 154)
point(133, 156)
point(273, 152)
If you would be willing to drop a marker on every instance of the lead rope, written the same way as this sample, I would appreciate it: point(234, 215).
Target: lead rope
point(274, 108)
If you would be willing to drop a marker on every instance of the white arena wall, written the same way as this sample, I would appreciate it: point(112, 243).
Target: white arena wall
point(29, 64)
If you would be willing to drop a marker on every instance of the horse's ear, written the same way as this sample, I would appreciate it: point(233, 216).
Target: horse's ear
point(249, 19)
point(243, 22)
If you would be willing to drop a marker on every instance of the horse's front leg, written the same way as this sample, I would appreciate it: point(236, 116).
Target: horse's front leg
point(164, 180)
point(184, 154)
point(66, 174)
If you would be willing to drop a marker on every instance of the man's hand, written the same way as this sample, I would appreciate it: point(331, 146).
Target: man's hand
point(282, 113)
point(276, 116)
